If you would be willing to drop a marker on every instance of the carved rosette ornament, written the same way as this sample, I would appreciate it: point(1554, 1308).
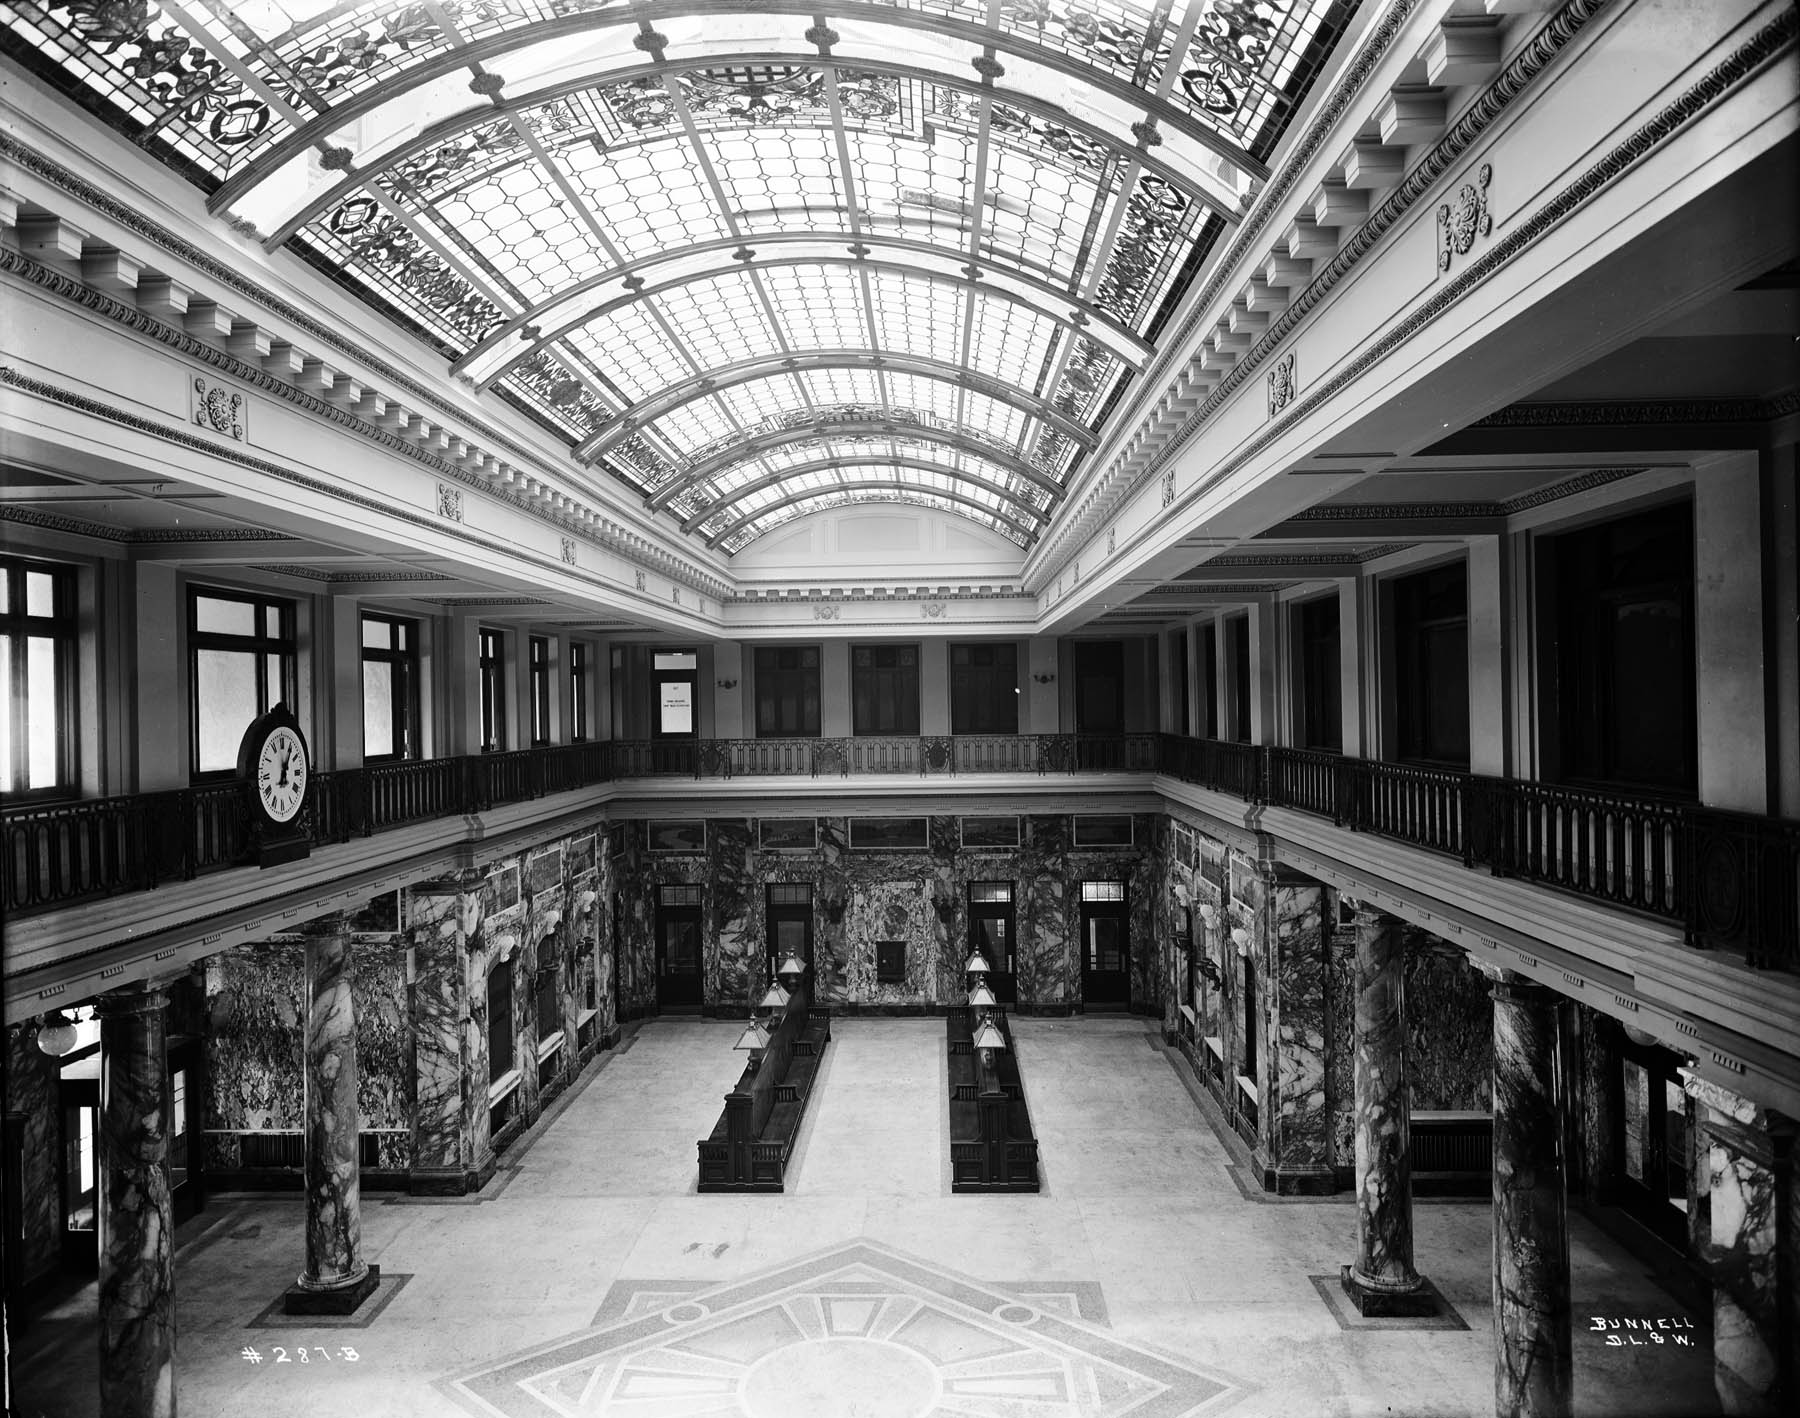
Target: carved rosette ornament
point(220, 410)
point(1464, 218)
point(568, 550)
point(449, 502)
point(1168, 487)
point(1281, 384)
point(825, 612)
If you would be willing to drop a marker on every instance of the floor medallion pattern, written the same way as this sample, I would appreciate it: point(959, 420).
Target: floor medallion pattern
point(860, 1331)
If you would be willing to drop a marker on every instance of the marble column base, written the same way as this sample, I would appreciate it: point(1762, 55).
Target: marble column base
point(302, 1299)
point(1372, 1303)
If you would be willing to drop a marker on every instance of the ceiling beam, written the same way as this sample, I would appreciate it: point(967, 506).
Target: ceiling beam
point(869, 485)
point(925, 465)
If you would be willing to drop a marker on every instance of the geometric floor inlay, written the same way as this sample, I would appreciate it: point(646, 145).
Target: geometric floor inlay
point(859, 1331)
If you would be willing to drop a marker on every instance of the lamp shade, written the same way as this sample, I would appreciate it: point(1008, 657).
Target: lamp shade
point(976, 964)
point(753, 1037)
point(793, 965)
point(774, 998)
point(57, 1037)
point(988, 1036)
point(981, 997)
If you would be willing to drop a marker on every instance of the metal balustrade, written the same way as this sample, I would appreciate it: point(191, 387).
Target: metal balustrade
point(1731, 879)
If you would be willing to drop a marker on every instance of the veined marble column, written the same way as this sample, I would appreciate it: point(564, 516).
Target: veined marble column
point(1295, 1152)
point(1533, 1359)
point(137, 1257)
point(1382, 1279)
point(1749, 1159)
point(336, 1280)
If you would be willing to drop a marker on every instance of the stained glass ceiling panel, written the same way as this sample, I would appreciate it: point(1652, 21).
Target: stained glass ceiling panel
point(921, 242)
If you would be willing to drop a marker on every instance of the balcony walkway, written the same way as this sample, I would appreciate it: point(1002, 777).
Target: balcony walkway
point(869, 1289)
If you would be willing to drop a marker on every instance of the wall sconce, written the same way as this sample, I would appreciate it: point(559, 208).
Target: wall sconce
point(506, 944)
point(1241, 939)
point(585, 902)
point(1209, 913)
point(550, 921)
point(726, 683)
point(1044, 679)
point(56, 1037)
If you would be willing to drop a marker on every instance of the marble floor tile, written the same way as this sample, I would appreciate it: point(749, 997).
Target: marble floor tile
point(867, 1290)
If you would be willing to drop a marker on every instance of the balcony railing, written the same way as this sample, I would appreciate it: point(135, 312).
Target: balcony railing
point(1731, 879)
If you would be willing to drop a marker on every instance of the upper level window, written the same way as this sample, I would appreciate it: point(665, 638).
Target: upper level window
point(493, 689)
point(1620, 692)
point(1237, 678)
point(580, 667)
point(1320, 674)
point(1099, 687)
point(390, 676)
point(1431, 666)
point(884, 689)
point(984, 689)
point(787, 691)
point(37, 663)
point(1209, 681)
point(240, 665)
point(540, 690)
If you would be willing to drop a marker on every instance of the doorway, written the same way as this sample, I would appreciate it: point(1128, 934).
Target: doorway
point(675, 725)
point(186, 1194)
point(79, 1172)
point(790, 925)
point(1105, 945)
point(1651, 1146)
point(680, 981)
point(991, 931)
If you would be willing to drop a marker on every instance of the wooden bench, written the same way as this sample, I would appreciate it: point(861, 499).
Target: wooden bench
point(754, 1137)
point(992, 1147)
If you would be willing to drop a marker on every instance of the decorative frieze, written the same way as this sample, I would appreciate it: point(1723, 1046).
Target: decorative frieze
point(1464, 217)
point(219, 409)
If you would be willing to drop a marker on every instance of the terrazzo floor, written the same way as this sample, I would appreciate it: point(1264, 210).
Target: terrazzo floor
point(591, 1278)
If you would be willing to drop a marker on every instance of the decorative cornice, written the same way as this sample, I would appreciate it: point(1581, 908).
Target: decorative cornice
point(472, 602)
point(1190, 588)
point(1457, 511)
point(1648, 411)
point(337, 576)
point(1757, 51)
point(230, 452)
point(55, 522)
point(1443, 155)
point(80, 189)
point(877, 596)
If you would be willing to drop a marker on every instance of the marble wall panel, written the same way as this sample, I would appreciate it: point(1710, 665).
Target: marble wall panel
point(440, 1005)
point(1296, 1120)
point(1449, 1027)
point(1340, 1043)
point(880, 910)
point(255, 1041)
point(736, 905)
point(384, 1085)
point(31, 1093)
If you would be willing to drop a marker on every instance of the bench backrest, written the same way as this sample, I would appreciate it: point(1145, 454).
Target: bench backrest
point(754, 1093)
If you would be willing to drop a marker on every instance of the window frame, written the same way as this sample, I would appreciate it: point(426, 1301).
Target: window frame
point(965, 678)
point(285, 645)
point(1318, 691)
point(539, 663)
point(403, 696)
point(491, 674)
point(810, 698)
point(1414, 739)
point(866, 689)
point(63, 628)
point(580, 698)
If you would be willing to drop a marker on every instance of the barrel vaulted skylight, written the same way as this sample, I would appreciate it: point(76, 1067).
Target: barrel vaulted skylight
point(753, 259)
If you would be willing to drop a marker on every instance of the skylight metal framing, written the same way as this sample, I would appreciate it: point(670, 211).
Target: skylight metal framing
point(991, 312)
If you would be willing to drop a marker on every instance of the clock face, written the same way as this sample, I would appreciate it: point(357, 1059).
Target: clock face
point(281, 774)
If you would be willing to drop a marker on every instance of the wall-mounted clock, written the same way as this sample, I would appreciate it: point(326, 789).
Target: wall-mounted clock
point(277, 771)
